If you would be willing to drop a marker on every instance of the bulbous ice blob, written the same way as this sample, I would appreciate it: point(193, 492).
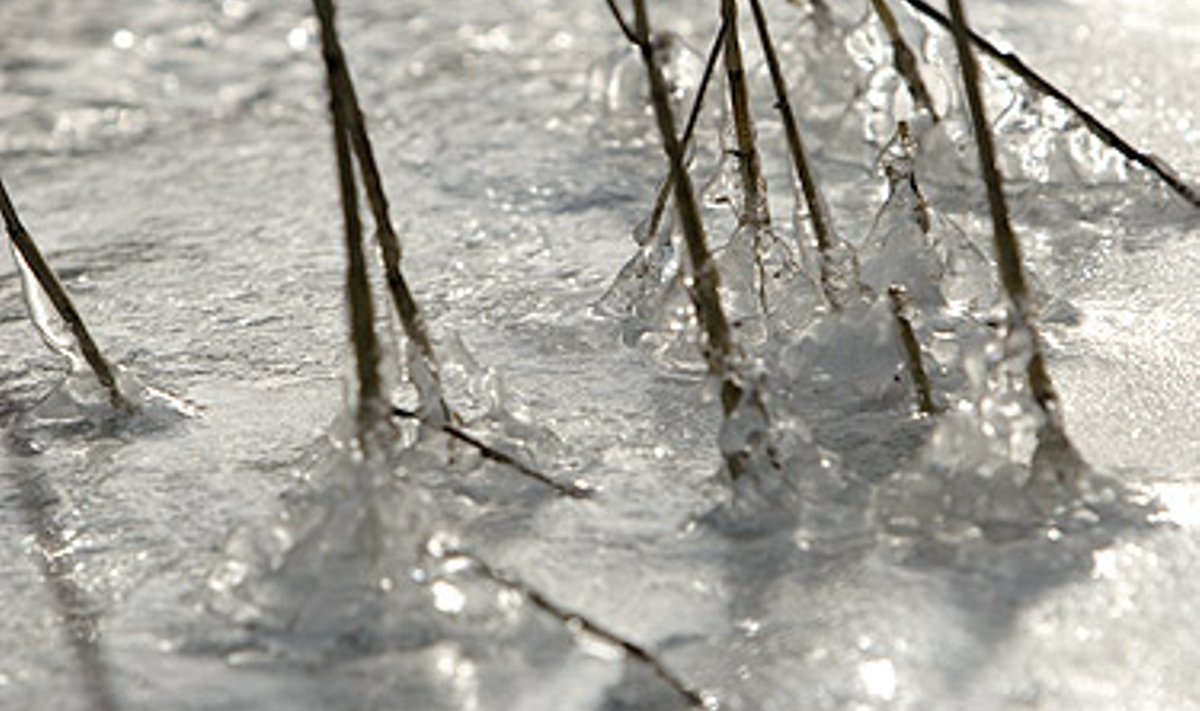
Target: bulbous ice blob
point(80, 404)
point(44, 317)
point(639, 288)
point(781, 479)
point(899, 249)
point(854, 353)
point(330, 575)
point(619, 94)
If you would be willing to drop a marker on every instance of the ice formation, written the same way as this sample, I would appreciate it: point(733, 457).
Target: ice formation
point(831, 541)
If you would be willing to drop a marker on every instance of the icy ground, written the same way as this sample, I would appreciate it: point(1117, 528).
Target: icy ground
point(174, 161)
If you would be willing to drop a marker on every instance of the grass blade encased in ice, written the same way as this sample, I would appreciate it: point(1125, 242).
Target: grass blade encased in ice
point(58, 296)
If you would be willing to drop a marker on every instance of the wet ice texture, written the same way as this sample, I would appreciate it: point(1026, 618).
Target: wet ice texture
point(872, 559)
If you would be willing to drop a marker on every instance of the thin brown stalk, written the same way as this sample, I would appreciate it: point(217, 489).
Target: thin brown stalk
point(904, 59)
point(1111, 138)
point(578, 622)
point(621, 23)
point(705, 288)
point(405, 304)
point(901, 305)
point(1008, 251)
point(818, 217)
point(59, 298)
point(754, 209)
point(667, 186)
point(358, 288)
point(574, 490)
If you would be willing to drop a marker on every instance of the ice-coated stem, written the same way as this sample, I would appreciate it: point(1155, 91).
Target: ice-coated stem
point(901, 305)
point(817, 213)
point(58, 296)
point(1008, 249)
point(705, 287)
point(1111, 138)
point(903, 58)
point(358, 287)
point(574, 490)
point(581, 623)
point(664, 190)
point(406, 306)
point(754, 211)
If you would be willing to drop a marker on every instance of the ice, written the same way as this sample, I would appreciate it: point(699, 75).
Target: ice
point(173, 159)
point(80, 405)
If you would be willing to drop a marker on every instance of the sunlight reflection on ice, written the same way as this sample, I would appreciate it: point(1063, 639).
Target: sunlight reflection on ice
point(879, 676)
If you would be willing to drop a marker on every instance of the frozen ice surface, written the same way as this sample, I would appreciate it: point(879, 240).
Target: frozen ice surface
point(173, 161)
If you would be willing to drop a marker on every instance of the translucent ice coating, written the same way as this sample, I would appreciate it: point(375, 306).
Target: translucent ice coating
point(80, 404)
point(327, 575)
point(42, 314)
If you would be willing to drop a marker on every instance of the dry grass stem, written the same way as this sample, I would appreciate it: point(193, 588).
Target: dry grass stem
point(754, 210)
point(59, 298)
point(1008, 251)
point(817, 212)
point(1111, 138)
point(904, 59)
point(667, 186)
point(405, 304)
point(901, 306)
point(620, 19)
point(580, 623)
point(358, 287)
point(574, 490)
point(705, 287)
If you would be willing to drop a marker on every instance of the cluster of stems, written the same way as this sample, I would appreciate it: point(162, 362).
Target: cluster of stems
point(1008, 249)
point(352, 142)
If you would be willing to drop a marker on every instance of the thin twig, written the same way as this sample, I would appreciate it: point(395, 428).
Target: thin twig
point(901, 304)
point(1008, 250)
point(406, 306)
point(625, 28)
point(818, 217)
point(665, 189)
point(575, 490)
point(1111, 138)
point(581, 623)
point(358, 288)
point(58, 296)
point(705, 288)
point(904, 59)
point(754, 209)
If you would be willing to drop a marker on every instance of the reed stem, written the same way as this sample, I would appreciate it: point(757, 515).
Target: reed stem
point(358, 288)
point(59, 298)
point(903, 58)
point(1111, 138)
point(621, 23)
point(1008, 250)
point(705, 288)
point(901, 306)
point(817, 213)
point(405, 304)
point(754, 211)
point(582, 623)
point(668, 185)
point(574, 490)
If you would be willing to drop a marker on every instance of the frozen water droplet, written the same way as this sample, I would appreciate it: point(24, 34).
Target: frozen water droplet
point(50, 326)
